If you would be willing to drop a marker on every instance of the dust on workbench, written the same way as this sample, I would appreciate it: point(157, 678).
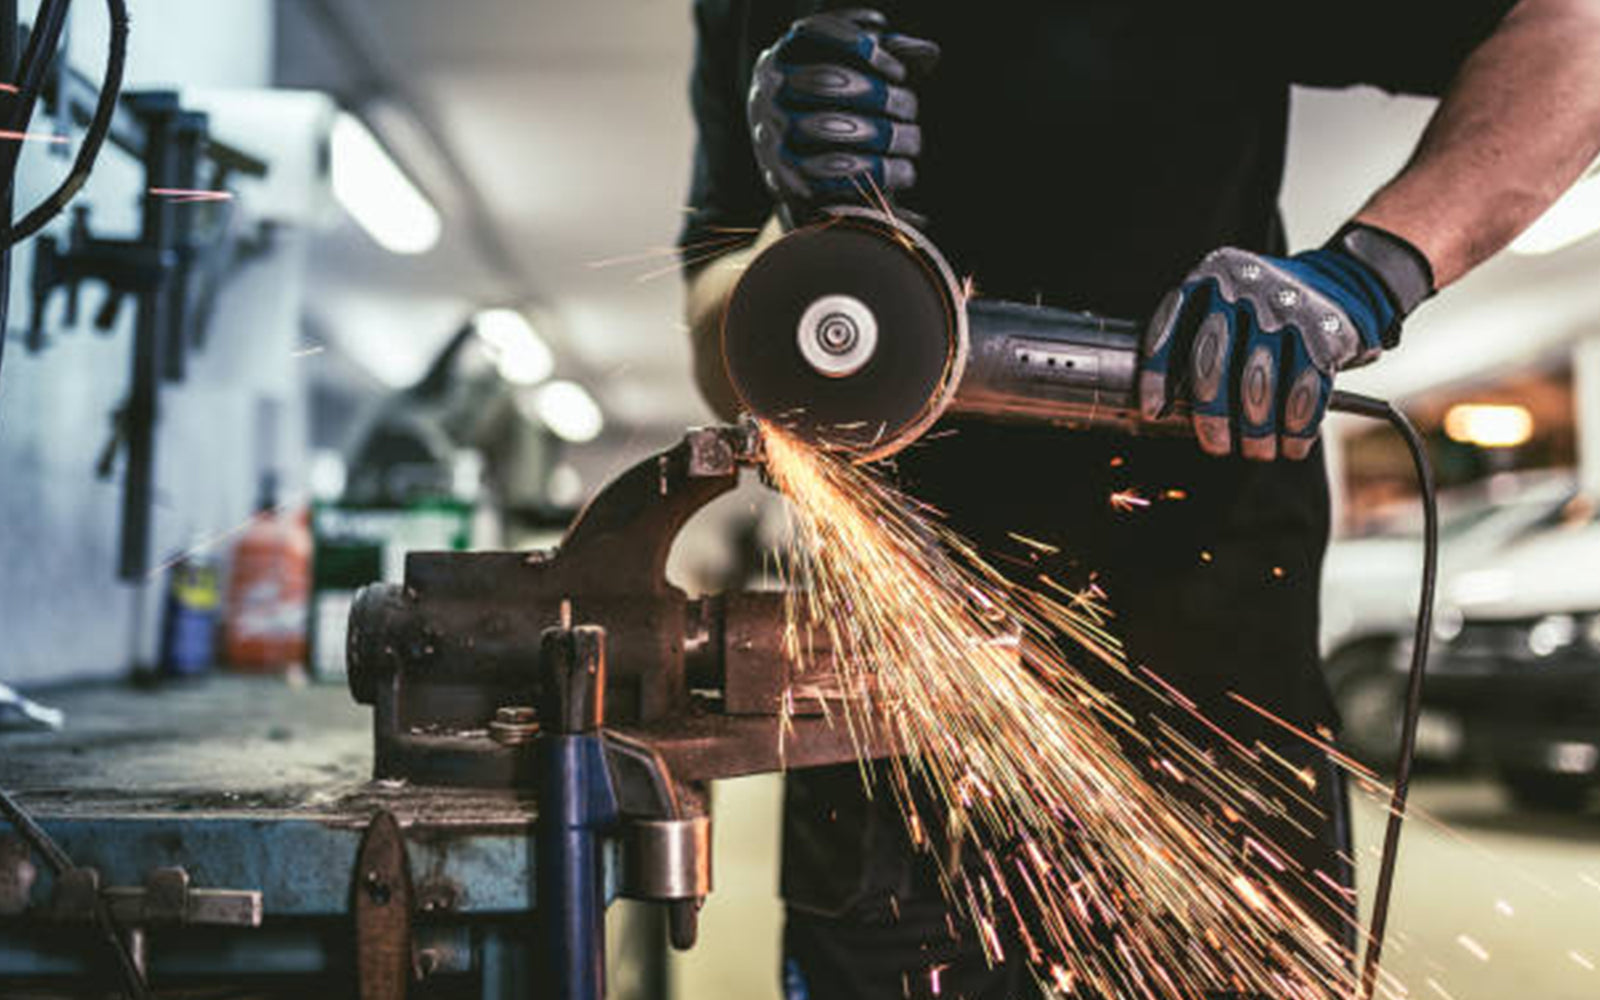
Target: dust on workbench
point(251, 746)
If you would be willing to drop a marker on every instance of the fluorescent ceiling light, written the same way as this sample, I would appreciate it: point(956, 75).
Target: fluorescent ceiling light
point(518, 352)
point(377, 193)
point(1488, 425)
point(1576, 216)
point(566, 409)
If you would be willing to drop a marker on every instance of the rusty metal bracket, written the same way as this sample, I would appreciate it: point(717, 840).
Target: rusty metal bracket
point(166, 898)
point(383, 900)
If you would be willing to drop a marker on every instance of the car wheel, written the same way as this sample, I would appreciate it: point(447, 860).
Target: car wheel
point(1370, 695)
point(1542, 792)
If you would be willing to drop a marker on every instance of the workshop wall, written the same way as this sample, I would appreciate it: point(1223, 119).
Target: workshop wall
point(65, 614)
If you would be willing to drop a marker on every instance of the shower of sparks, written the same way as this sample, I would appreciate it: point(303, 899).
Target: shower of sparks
point(1126, 500)
point(1433, 984)
point(191, 196)
point(209, 542)
point(727, 240)
point(1472, 947)
point(1101, 874)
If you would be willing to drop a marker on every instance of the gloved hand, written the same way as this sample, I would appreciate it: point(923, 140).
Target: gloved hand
point(831, 111)
point(1251, 343)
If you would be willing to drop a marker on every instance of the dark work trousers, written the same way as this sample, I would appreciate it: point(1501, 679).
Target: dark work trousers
point(1214, 583)
point(891, 934)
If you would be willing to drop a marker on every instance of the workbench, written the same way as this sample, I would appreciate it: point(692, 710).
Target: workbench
point(256, 785)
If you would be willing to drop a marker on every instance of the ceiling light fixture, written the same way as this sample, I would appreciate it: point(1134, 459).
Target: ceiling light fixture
point(519, 354)
point(377, 193)
point(566, 409)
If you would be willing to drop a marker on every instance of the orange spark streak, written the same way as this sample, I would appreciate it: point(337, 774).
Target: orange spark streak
point(44, 137)
point(1128, 499)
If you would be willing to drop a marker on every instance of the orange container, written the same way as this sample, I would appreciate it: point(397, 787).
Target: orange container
point(269, 588)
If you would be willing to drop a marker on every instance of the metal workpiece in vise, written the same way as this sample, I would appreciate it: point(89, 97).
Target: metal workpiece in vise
point(583, 676)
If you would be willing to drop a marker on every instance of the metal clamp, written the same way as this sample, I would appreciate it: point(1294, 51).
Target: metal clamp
point(165, 898)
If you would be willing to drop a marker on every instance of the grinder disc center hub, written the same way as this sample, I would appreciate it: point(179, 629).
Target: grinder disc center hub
point(838, 335)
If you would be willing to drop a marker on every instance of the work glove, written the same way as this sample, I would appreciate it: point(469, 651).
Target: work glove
point(1250, 343)
point(832, 113)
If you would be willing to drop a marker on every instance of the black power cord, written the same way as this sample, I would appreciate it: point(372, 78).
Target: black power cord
point(1377, 409)
point(28, 72)
point(93, 138)
point(43, 40)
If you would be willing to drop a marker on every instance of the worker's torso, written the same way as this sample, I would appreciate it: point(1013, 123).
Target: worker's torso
point(1087, 155)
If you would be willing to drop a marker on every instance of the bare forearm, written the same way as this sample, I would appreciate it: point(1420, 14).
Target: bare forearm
point(1517, 127)
point(705, 297)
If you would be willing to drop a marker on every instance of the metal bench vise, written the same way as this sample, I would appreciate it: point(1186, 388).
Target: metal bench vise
point(582, 673)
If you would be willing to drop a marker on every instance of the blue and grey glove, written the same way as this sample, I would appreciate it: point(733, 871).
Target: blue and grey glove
point(832, 114)
point(1250, 343)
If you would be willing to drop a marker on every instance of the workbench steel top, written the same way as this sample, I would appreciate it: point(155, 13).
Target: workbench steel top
point(256, 747)
point(253, 783)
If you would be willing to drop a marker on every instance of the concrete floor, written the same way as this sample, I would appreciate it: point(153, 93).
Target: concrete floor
point(1491, 904)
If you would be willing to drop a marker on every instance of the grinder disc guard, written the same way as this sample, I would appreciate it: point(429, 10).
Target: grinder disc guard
point(876, 296)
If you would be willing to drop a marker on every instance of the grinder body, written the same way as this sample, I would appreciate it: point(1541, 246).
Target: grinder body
point(1036, 363)
point(854, 333)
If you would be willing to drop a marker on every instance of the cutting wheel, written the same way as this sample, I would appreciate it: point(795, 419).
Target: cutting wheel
point(849, 333)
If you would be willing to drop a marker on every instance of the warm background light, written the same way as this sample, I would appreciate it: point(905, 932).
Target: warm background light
point(1489, 425)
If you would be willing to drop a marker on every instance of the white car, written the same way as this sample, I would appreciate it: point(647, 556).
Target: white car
point(1522, 667)
point(1369, 600)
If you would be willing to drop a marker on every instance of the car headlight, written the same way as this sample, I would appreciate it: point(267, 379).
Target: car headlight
point(1551, 634)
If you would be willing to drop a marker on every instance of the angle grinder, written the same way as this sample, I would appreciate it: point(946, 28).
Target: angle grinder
point(854, 334)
